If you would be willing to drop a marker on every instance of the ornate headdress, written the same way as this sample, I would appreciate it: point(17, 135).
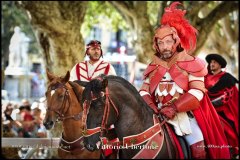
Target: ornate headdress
point(174, 23)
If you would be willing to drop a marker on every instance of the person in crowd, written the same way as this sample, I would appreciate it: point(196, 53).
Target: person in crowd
point(223, 93)
point(39, 129)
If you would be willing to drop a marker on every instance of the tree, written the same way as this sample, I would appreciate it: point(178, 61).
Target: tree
point(135, 14)
point(57, 26)
point(224, 38)
point(139, 17)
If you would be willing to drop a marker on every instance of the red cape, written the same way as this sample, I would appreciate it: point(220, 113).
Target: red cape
point(223, 82)
point(233, 106)
point(214, 137)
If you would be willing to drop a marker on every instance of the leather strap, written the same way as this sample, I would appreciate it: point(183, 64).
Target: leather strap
point(152, 148)
point(71, 146)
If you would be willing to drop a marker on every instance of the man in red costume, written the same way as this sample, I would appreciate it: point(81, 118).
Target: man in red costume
point(223, 93)
point(174, 87)
point(87, 70)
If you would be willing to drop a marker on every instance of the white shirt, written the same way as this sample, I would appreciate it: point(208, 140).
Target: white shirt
point(89, 71)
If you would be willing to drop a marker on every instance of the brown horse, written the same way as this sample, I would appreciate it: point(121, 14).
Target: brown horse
point(63, 105)
point(111, 100)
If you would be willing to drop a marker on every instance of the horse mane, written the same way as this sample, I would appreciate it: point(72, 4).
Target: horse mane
point(126, 83)
point(129, 87)
point(77, 92)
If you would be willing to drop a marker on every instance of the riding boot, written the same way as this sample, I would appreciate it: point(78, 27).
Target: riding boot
point(198, 150)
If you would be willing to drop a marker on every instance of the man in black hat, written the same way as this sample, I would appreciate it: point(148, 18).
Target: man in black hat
point(87, 70)
point(223, 93)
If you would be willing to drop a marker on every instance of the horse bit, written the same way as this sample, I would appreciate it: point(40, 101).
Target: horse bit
point(61, 116)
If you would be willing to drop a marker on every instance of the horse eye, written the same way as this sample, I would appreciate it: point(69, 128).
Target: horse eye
point(61, 96)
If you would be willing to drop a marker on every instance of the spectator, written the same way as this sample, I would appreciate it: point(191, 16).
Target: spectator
point(39, 129)
point(223, 92)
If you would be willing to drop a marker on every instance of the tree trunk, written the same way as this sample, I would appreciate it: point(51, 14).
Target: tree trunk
point(144, 33)
point(135, 14)
point(206, 25)
point(57, 26)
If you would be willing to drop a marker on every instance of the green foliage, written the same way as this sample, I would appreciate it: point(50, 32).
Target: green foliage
point(104, 15)
point(152, 10)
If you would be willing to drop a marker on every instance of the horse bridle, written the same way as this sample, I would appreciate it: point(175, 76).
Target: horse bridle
point(61, 116)
point(86, 105)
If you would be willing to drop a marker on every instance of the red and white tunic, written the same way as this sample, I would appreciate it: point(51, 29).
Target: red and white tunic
point(85, 71)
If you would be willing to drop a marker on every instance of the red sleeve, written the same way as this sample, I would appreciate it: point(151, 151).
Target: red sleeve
point(78, 71)
point(107, 69)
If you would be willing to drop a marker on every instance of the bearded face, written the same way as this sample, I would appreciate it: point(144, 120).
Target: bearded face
point(165, 46)
point(94, 53)
point(166, 54)
point(215, 66)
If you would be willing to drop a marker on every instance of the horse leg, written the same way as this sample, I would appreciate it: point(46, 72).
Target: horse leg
point(198, 150)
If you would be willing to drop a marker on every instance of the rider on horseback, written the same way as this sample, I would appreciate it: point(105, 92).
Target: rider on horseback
point(89, 69)
point(174, 86)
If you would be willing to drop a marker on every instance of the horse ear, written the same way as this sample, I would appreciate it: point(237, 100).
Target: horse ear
point(67, 76)
point(104, 83)
point(81, 83)
point(50, 75)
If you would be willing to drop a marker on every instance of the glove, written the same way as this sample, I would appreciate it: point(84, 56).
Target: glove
point(150, 103)
point(169, 111)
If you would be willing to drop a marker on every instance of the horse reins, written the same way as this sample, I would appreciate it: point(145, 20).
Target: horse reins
point(61, 116)
point(86, 106)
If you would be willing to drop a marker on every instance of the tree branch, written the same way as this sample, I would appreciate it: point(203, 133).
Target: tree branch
point(205, 27)
point(128, 19)
point(124, 7)
point(163, 4)
point(219, 12)
point(227, 29)
point(194, 7)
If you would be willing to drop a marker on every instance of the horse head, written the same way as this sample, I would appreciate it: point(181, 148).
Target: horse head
point(59, 100)
point(96, 119)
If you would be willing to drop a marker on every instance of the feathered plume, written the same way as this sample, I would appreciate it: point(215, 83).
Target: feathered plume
point(175, 18)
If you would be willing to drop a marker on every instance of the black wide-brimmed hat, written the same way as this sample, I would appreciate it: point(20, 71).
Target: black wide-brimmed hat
point(217, 58)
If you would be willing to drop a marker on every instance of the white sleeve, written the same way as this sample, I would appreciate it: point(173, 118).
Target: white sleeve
point(73, 74)
point(194, 78)
point(112, 71)
point(195, 92)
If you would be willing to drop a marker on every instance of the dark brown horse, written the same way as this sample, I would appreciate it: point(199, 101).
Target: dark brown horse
point(63, 104)
point(113, 100)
